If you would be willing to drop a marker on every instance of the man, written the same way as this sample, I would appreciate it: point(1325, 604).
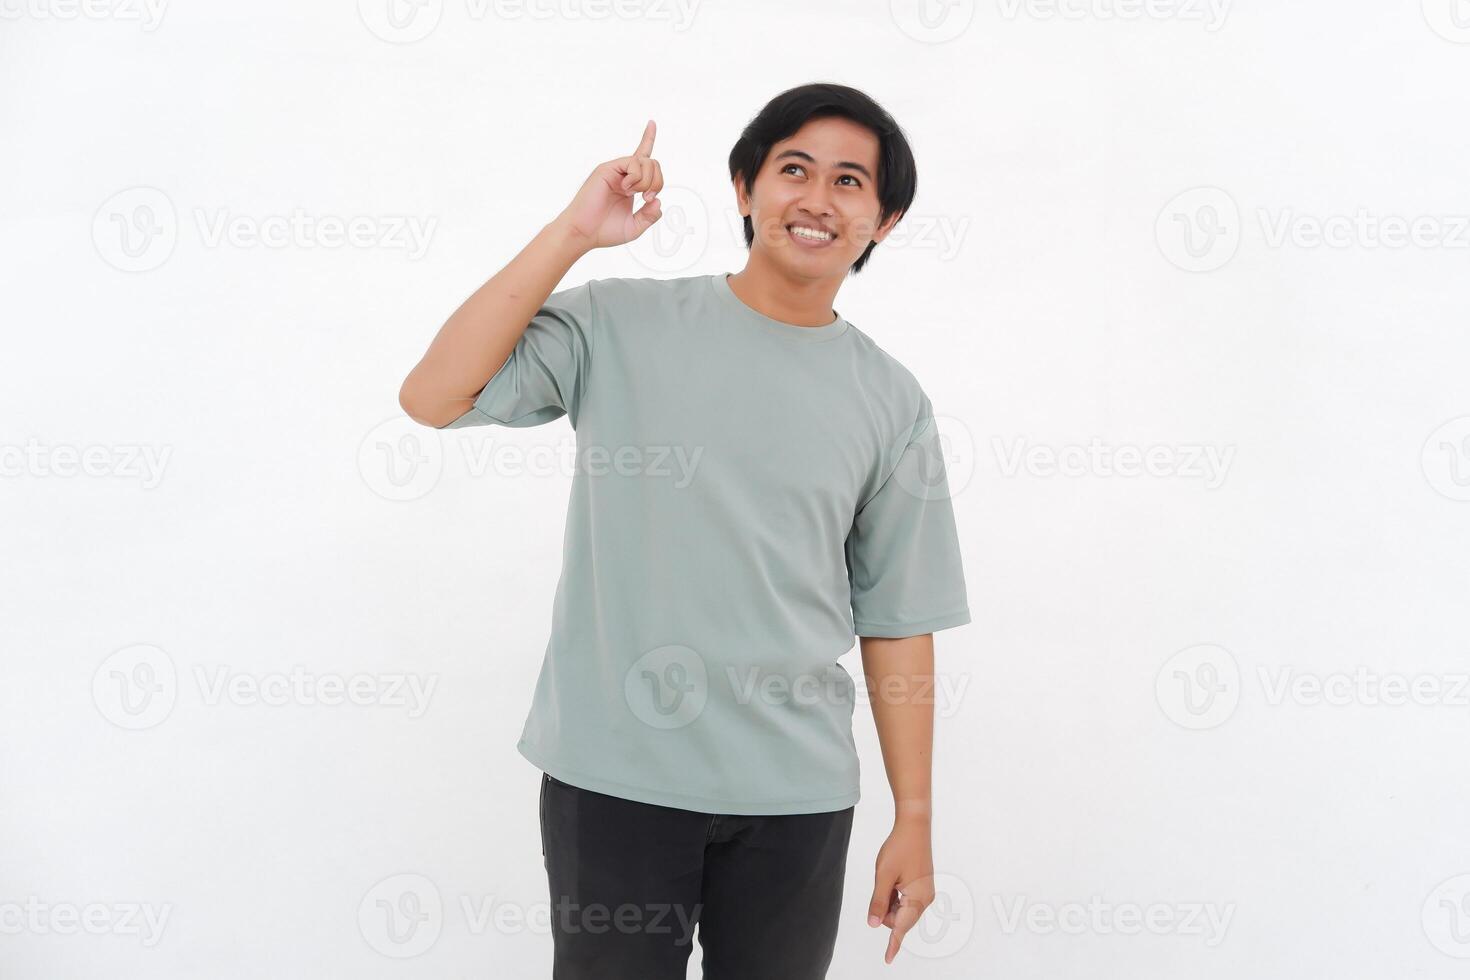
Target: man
point(757, 482)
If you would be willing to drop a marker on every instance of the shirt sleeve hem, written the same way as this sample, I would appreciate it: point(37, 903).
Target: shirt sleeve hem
point(913, 628)
point(471, 416)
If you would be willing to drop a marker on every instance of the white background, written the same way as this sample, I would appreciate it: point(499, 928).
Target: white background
point(1112, 246)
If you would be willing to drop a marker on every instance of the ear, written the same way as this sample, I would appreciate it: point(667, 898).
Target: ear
point(887, 226)
point(742, 201)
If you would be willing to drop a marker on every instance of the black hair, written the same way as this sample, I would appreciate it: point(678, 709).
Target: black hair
point(788, 112)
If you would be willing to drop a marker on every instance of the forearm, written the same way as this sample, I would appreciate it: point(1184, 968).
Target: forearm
point(900, 682)
point(478, 337)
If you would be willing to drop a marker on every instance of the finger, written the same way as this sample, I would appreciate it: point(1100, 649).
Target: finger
point(879, 904)
point(904, 919)
point(636, 167)
point(658, 180)
point(645, 145)
point(647, 173)
point(644, 217)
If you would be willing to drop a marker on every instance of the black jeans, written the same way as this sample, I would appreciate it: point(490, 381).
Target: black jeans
point(630, 880)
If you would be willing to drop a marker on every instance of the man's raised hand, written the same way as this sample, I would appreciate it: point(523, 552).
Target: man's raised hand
point(602, 213)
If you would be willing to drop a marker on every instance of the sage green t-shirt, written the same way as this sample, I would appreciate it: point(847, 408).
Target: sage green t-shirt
point(748, 496)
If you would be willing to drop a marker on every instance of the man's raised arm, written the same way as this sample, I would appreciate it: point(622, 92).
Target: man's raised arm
point(479, 337)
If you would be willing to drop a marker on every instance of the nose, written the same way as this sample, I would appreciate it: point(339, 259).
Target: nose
point(816, 204)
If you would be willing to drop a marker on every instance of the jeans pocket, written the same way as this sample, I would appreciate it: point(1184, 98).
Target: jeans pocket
point(545, 779)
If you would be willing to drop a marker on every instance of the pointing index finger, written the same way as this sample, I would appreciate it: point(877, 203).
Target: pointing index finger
point(645, 146)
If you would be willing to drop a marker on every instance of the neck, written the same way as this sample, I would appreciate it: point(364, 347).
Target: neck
point(767, 288)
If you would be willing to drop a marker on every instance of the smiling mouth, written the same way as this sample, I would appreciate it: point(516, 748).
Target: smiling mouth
point(810, 236)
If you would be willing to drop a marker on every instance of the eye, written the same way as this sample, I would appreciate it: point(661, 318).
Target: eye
point(851, 177)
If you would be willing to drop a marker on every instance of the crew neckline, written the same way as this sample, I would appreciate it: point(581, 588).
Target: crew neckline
point(719, 282)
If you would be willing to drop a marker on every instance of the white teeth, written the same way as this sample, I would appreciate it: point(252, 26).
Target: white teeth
point(816, 236)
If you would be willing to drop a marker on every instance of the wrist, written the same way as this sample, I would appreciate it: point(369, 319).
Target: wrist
point(566, 236)
point(912, 811)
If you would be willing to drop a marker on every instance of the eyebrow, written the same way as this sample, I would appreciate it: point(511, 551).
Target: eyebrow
point(842, 165)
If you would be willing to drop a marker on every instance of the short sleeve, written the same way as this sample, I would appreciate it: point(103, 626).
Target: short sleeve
point(903, 552)
point(545, 376)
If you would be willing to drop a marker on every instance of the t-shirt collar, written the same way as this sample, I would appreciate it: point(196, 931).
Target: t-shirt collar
point(727, 296)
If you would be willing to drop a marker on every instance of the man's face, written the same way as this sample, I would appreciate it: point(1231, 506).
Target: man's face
point(814, 208)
